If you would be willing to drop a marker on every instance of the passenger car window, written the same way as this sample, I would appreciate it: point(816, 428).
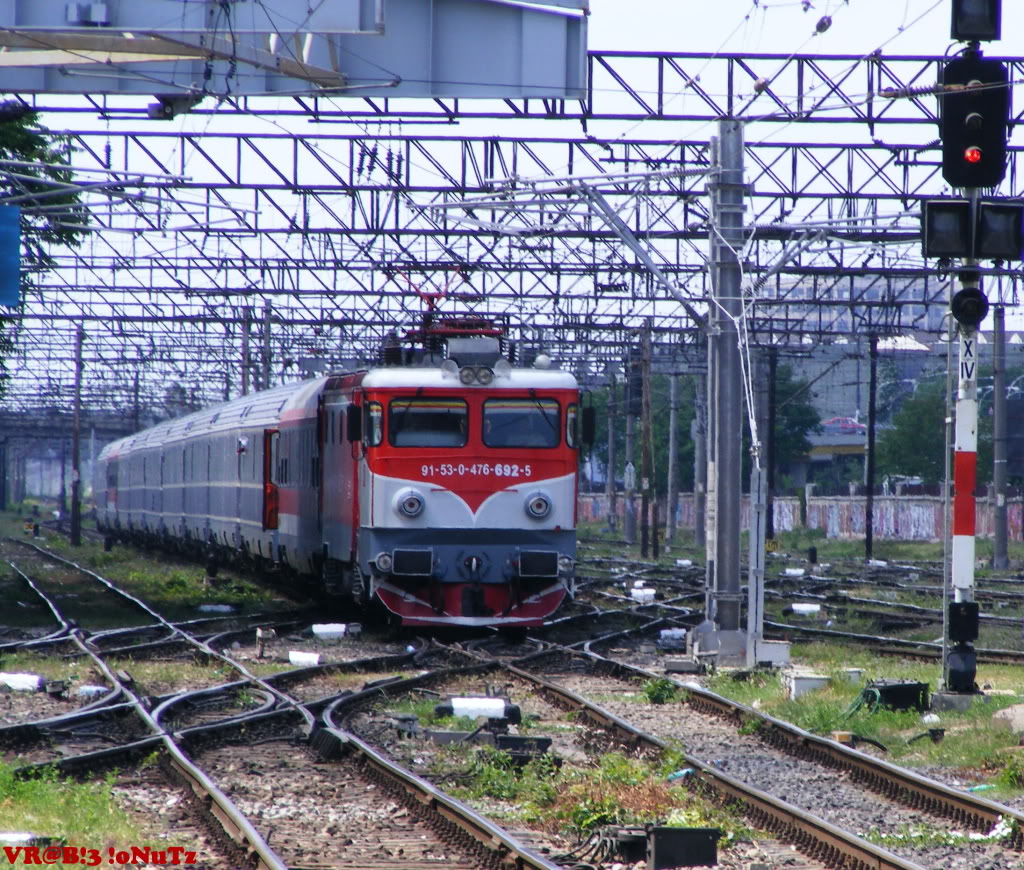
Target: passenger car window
point(521, 423)
point(427, 422)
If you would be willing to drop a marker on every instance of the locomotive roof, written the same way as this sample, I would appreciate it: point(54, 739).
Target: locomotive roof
point(516, 379)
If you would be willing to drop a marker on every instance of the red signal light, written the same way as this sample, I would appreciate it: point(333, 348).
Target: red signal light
point(973, 154)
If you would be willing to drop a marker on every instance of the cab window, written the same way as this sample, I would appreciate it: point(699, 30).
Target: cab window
point(572, 424)
point(428, 422)
point(521, 423)
point(374, 427)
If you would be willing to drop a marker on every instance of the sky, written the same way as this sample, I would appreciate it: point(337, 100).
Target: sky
point(774, 26)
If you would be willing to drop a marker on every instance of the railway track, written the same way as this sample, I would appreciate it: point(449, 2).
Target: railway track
point(287, 735)
point(268, 716)
point(744, 726)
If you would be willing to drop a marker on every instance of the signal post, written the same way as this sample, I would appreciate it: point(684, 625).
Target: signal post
point(974, 112)
point(962, 619)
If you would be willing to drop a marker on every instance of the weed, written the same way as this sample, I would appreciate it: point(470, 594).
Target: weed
point(659, 691)
point(150, 761)
point(751, 725)
point(1012, 773)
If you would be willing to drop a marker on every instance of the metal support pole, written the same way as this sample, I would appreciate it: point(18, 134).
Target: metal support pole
point(629, 526)
point(265, 354)
point(869, 503)
point(755, 575)
point(672, 495)
point(63, 478)
point(4, 471)
point(76, 433)
point(610, 484)
point(1000, 555)
point(136, 408)
point(246, 328)
point(769, 445)
point(727, 237)
point(700, 460)
point(646, 469)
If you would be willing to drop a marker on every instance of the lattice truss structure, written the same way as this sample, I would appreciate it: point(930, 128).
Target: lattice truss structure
point(263, 238)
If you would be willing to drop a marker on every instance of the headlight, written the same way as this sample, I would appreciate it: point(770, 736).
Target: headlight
point(384, 562)
point(564, 564)
point(467, 374)
point(410, 504)
point(484, 375)
point(538, 505)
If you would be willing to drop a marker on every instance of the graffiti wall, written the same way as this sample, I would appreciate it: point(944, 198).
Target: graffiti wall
point(918, 518)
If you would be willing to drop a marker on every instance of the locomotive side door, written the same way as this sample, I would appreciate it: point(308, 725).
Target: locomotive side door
point(338, 480)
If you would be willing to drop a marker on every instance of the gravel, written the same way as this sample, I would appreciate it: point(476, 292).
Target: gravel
point(827, 793)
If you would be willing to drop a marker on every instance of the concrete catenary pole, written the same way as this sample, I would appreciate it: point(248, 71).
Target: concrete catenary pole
point(769, 445)
point(610, 484)
point(246, 327)
point(869, 473)
point(672, 495)
point(727, 237)
point(268, 313)
point(629, 526)
point(76, 434)
point(699, 431)
point(1000, 556)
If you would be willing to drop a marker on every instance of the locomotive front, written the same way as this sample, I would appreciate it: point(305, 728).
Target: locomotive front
point(467, 488)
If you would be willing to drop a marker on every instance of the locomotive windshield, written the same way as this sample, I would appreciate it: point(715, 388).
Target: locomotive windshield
point(427, 422)
point(521, 423)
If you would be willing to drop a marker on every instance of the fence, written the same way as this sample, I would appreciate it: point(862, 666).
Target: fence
point(906, 517)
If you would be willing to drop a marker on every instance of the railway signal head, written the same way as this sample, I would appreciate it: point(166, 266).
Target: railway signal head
point(976, 20)
point(974, 111)
point(969, 306)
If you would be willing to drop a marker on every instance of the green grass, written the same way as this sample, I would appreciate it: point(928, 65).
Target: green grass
point(81, 813)
point(151, 677)
point(618, 790)
point(973, 743)
point(424, 710)
point(173, 586)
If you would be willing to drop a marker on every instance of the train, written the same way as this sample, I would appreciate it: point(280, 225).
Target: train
point(439, 483)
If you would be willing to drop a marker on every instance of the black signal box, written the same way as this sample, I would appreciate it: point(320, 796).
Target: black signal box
point(974, 113)
point(963, 621)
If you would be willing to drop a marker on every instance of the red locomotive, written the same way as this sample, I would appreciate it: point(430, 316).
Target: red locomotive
point(440, 483)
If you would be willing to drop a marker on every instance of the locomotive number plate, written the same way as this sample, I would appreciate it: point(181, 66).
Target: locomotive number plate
point(476, 469)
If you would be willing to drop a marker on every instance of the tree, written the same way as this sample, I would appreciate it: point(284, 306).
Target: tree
point(36, 161)
point(796, 418)
point(915, 445)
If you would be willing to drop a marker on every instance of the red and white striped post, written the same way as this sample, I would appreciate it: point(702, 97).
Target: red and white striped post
point(968, 308)
point(965, 467)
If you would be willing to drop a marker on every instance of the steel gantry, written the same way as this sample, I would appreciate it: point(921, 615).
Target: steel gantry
point(262, 239)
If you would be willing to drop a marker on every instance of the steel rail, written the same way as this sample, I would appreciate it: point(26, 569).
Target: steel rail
point(498, 842)
point(811, 835)
point(908, 647)
point(897, 783)
point(59, 634)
